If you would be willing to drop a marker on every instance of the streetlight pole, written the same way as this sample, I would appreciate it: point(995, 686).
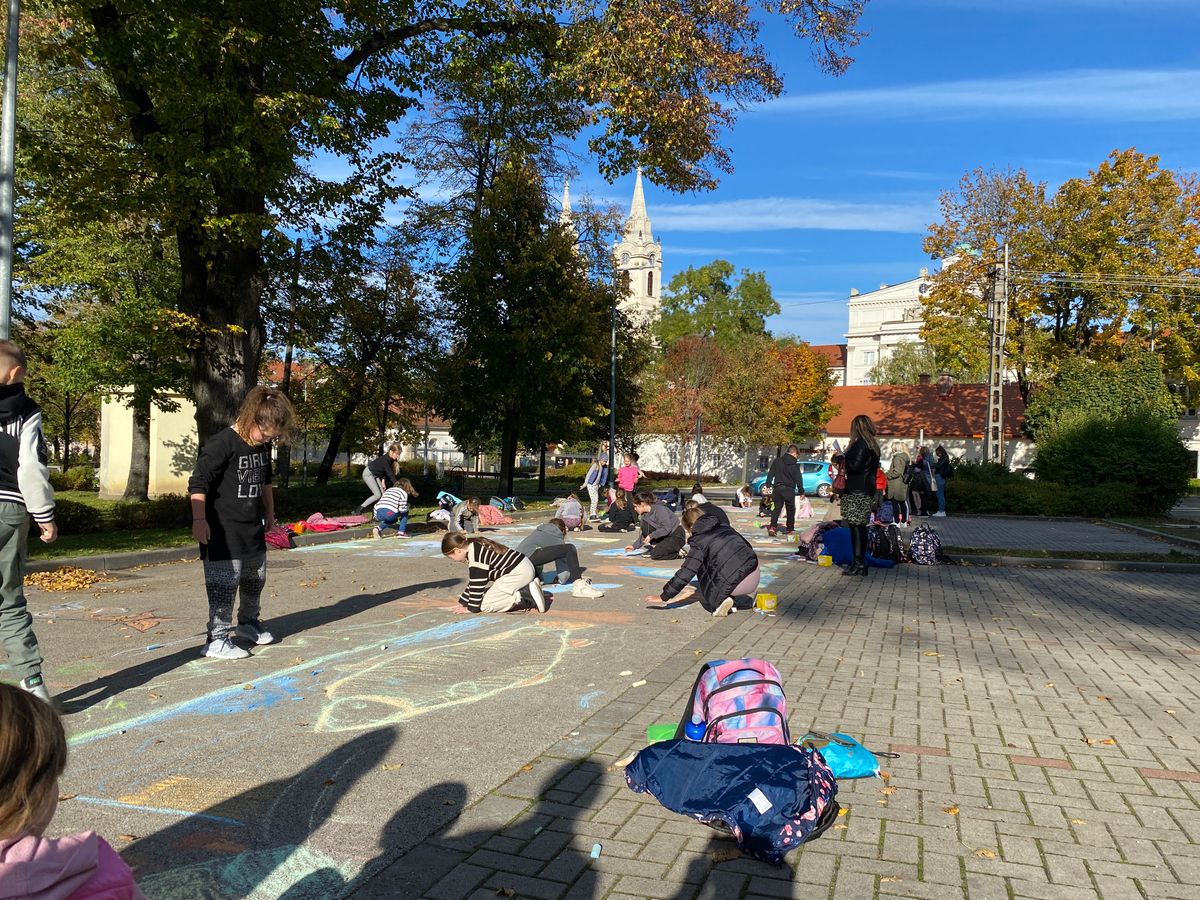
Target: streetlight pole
point(612, 404)
point(8, 143)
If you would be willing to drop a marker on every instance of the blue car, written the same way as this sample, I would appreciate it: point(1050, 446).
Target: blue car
point(814, 476)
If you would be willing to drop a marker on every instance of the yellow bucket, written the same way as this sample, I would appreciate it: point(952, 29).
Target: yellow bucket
point(766, 602)
point(824, 560)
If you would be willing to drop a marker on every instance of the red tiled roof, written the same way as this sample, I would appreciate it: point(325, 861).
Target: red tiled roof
point(300, 370)
point(835, 354)
point(907, 409)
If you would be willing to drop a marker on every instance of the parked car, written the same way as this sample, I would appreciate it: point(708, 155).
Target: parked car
point(814, 475)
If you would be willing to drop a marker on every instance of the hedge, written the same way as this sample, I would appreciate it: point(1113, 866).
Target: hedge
point(76, 478)
point(1023, 497)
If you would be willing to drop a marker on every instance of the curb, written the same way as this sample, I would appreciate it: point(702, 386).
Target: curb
point(1103, 565)
point(1178, 539)
point(112, 562)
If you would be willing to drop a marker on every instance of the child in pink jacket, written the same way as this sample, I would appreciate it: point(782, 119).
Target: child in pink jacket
point(33, 754)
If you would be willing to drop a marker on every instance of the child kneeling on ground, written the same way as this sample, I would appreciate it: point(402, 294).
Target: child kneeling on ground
point(723, 563)
point(392, 509)
point(621, 516)
point(660, 527)
point(498, 579)
point(33, 755)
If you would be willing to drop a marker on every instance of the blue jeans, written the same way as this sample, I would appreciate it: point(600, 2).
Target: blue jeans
point(941, 492)
point(388, 519)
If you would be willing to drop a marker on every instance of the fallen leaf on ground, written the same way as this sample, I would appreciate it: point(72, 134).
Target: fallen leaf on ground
point(725, 854)
point(505, 892)
point(931, 653)
point(885, 774)
point(63, 798)
point(66, 578)
point(1170, 712)
point(329, 781)
point(388, 767)
point(127, 837)
point(887, 791)
point(840, 827)
point(889, 879)
point(626, 760)
point(1102, 697)
point(1109, 741)
point(952, 810)
point(247, 687)
point(528, 767)
point(984, 853)
point(1078, 822)
point(842, 812)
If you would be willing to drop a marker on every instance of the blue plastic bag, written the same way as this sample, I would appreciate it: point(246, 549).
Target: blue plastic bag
point(844, 755)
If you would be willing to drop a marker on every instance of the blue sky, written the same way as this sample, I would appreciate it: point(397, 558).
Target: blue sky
point(836, 182)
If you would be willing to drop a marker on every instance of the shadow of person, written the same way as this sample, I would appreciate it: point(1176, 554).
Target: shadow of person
point(84, 696)
point(545, 835)
point(255, 843)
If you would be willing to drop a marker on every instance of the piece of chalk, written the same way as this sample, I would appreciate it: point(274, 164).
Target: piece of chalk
point(638, 683)
point(154, 647)
point(596, 851)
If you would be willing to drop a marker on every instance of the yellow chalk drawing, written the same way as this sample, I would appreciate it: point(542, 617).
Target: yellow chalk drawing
point(190, 794)
point(389, 687)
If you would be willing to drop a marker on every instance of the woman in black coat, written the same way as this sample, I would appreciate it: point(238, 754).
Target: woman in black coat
point(723, 563)
point(862, 462)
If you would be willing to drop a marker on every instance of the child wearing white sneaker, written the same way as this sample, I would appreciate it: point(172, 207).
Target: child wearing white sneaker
point(392, 509)
point(231, 497)
point(499, 579)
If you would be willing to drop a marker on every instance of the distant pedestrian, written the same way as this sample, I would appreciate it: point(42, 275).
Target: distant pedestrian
point(465, 516)
point(698, 493)
point(921, 486)
point(743, 497)
point(784, 478)
point(380, 474)
point(24, 491)
point(723, 563)
point(596, 478)
point(942, 470)
point(897, 490)
point(231, 497)
point(499, 579)
point(621, 516)
point(862, 462)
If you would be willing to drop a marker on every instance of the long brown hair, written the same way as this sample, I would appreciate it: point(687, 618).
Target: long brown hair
point(620, 498)
point(407, 486)
point(267, 408)
point(690, 517)
point(863, 427)
point(455, 540)
point(33, 754)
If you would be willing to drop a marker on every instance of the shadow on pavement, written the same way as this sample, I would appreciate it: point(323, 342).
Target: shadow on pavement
point(254, 844)
point(85, 696)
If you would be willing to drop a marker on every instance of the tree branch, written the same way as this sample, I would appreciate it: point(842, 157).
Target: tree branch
point(108, 23)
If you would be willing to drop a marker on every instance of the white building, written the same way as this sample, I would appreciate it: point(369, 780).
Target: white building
point(881, 320)
point(639, 254)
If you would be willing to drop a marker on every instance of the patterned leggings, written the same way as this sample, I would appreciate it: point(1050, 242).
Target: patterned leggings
point(593, 498)
point(222, 578)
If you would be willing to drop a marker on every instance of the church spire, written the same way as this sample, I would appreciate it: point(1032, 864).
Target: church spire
point(637, 226)
point(565, 215)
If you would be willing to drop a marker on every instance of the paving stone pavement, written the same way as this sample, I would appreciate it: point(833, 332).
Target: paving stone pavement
point(1065, 535)
point(1047, 724)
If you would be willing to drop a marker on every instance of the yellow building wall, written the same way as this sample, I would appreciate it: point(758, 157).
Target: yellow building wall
point(172, 447)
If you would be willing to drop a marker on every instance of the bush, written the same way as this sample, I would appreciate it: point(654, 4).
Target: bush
point(76, 518)
point(980, 472)
point(76, 478)
point(1023, 497)
point(1139, 449)
point(576, 470)
point(167, 511)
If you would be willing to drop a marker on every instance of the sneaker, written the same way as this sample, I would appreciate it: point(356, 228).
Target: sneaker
point(224, 649)
point(36, 685)
point(771, 531)
point(539, 599)
point(724, 609)
point(939, 515)
point(376, 533)
point(254, 633)
point(403, 534)
point(583, 588)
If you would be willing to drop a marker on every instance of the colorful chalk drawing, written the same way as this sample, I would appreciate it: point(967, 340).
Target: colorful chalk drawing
point(299, 872)
point(387, 688)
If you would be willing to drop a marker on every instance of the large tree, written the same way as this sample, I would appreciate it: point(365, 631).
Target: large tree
point(707, 302)
point(222, 107)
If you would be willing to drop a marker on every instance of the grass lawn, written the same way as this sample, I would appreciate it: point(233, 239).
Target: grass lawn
point(100, 542)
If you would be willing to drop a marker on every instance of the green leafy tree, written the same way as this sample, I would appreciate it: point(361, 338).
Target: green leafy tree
point(528, 331)
point(221, 108)
point(910, 360)
point(707, 302)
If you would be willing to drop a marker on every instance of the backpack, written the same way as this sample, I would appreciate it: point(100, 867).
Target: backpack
point(884, 542)
point(887, 512)
point(925, 547)
point(910, 472)
point(447, 501)
point(507, 504)
point(741, 701)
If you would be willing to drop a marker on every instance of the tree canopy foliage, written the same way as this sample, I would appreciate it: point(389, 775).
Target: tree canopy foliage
point(706, 302)
point(912, 359)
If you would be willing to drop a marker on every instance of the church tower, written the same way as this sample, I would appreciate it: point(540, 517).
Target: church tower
point(641, 256)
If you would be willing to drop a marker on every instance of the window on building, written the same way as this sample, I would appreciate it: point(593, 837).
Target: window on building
point(624, 259)
point(653, 260)
point(869, 357)
point(650, 284)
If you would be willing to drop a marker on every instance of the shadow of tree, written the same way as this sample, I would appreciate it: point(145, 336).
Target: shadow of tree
point(85, 696)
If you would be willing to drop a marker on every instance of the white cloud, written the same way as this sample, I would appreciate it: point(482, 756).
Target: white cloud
point(730, 251)
point(1098, 94)
point(787, 213)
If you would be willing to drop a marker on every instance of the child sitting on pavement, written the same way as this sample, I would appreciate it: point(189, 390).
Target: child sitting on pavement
point(499, 579)
point(548, 543)
point(661, 531)
point(465, 516)
point(621, 516)
point(571, 512)
point(392, 509)
point(723, 563)
point(33, 756)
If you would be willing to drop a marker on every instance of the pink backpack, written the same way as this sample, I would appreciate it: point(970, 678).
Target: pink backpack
point(741, 701)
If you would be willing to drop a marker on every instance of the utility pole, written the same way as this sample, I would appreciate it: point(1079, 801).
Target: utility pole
point(993, 435)
point(612, 403)
point(8, 152)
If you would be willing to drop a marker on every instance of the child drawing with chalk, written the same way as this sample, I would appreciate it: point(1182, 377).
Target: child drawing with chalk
point(232, 500)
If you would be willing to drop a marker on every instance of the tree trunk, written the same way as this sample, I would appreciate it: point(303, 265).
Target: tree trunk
point(137, 485)
point(542, 471)
point(508, 450)
point(221, 288)
point(66, 429)
point(341, 422)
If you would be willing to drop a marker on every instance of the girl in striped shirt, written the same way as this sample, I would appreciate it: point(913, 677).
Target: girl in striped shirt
point(391, 510)
point(499, 579)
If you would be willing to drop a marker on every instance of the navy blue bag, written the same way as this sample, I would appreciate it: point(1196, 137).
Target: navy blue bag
point(771, 797)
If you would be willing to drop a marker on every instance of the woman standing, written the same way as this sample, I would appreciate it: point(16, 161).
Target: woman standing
point(379, 475)
point(597, 477)
point(897, 490)
point(941, 471)
point(862, 461)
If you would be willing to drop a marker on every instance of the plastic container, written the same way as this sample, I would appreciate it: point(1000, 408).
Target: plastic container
point(766, 602)
point(695, 729)
point(662, 732)
point(824, 560)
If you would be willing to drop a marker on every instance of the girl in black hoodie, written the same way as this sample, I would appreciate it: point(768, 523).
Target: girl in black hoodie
point(722, 561)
